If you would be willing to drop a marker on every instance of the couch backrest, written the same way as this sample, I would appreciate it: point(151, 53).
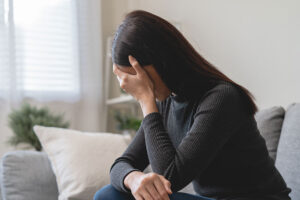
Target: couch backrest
point(288, 152)
point(269, 123)
point(27, 175)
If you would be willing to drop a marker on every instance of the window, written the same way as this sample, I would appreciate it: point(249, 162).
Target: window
point(39, 49)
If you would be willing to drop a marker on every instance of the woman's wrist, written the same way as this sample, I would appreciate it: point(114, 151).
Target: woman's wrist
point(131, 177)
point(147, 96)
point(148, 105)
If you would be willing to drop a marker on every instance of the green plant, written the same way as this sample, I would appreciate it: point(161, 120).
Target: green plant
point(127, 122)
point(21, 122)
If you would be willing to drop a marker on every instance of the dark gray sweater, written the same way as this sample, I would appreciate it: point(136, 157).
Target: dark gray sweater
point(209, 141)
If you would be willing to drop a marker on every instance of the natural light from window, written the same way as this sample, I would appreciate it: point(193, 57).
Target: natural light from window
point(43, 46)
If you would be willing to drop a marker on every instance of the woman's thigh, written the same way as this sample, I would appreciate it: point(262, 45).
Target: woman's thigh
point(108, 192)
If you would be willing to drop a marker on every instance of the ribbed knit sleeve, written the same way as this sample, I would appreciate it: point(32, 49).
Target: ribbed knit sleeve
point(133, 159)
point(219, 113)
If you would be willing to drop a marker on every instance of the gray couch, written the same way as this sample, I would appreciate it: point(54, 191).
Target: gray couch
point(27, 175)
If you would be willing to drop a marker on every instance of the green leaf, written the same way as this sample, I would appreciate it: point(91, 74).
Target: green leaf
point(22, 120)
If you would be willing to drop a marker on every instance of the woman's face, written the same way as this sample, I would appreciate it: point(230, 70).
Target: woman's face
point(161, 91)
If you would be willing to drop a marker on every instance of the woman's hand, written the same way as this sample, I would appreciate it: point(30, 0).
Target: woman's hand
point(150, 186)
point(139, 85)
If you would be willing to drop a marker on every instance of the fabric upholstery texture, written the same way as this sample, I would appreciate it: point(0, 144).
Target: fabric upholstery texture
point(269, 122)
point(80, 160)
point(27, 175)
point(288, 153)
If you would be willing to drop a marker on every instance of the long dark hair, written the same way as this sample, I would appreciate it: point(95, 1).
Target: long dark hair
point(153, 40)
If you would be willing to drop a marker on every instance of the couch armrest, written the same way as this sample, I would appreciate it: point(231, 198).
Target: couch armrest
point(27, 175)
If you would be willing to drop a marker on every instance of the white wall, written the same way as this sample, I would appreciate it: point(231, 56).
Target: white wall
point(255, 42)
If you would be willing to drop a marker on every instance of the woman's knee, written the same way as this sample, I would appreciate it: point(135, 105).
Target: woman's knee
point(105, 193)
point(108, 192)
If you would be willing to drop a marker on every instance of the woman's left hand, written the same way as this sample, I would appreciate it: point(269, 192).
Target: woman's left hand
point(139, 85)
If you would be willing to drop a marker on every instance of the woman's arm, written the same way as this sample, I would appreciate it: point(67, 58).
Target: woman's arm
point(218, 116)
point(127, 176)
point(133, 159)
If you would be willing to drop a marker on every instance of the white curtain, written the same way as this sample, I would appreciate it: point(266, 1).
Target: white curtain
point(51, 55)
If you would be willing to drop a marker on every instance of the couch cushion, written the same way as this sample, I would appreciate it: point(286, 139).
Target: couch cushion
point(269, 123)
point(27, 175)
point(288, 153)
point(80, 160)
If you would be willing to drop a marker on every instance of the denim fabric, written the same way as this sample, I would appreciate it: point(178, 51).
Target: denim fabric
point(108, 192)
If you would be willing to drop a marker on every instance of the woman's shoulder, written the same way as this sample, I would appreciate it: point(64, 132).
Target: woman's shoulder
point(223, 100)
point(223, 90)
point(223, 97)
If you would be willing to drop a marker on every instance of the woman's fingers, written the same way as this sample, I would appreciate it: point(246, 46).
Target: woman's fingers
point(138, 197)
point(134, 63)
point(161, 189)
point(151, 186)
point(119, 73)
point(146, 195)
point(153, 191)
point(166, 183)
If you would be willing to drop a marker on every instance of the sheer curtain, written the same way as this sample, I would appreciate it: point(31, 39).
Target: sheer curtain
point(51, 55)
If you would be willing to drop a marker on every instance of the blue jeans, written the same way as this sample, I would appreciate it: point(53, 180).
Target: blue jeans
point(108, 192)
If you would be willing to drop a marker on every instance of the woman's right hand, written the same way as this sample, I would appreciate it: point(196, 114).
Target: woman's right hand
point(150, 186)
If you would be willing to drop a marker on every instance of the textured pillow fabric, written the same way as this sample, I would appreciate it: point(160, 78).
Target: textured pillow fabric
point(80, 160)
point(288, 154)
point(27, 175)
point(269, 123)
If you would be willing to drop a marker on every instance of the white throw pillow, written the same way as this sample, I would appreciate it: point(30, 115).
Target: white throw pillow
point(80, 160)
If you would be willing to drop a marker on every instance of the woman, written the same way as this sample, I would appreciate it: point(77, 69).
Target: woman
point(198, 124)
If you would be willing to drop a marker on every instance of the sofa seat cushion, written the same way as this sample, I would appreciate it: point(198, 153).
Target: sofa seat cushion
point(80, 160)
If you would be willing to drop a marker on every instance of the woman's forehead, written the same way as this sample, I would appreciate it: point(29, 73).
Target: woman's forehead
point(123, 68)
point(131, 70)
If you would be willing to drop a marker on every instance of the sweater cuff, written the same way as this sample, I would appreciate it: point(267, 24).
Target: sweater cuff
point(118, 174)
point(125, 173)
